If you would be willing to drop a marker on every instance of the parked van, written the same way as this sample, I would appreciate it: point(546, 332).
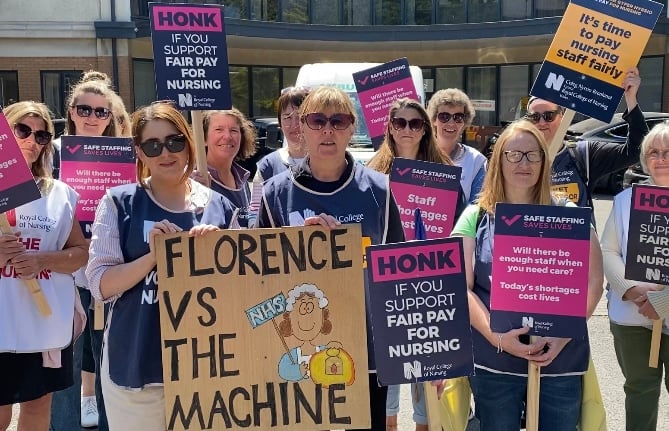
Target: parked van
point(340, 75)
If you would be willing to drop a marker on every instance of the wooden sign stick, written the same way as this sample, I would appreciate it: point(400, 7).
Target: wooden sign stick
point(431, 406)
point(200, 148)
point(533, 387)
point(556, 143)
point(32, 284)
point(655, 340)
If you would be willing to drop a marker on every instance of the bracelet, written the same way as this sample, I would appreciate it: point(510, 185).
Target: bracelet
point(499, 343)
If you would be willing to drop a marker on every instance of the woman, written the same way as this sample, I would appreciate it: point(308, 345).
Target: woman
point(330, 183)
point(519, 173)
point(450, 112)
point(293, 152)
point(91, 112)
point(49, 251)
point(229, 137)
point(122, 263)
point(409, 135)
point(633, 304)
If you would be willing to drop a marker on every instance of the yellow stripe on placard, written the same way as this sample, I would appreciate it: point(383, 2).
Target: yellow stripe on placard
point(596, 44)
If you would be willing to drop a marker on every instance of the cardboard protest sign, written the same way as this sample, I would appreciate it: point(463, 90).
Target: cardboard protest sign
point(432, 187)
point(190, 55)
point(17, 186)
point(648, 235)
point(91, 165)
point(264, 329)
point(597, 41)
point(378, 88)
point(540, 269)
point(420, 316)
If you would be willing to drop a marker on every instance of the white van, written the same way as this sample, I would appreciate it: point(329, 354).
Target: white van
point(340, 75)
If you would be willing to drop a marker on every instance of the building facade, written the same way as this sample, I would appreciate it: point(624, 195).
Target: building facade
point(492, 49)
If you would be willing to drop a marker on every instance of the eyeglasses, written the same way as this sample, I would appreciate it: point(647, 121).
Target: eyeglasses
point(21, 131)
point(445, 117)
point(317, 121)
point(548, 116)
point(86, 111)
point(517, 156)
point(154, 148)
point(657, 154)
point(399, 123)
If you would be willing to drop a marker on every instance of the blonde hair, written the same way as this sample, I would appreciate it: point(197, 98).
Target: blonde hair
point(121, 116)
point(493, 191)
point(42, 167)
point(327, 97)
point(427, 148)
point(93, 83)
point(659, 134)
point(451, 97)
point(166, 112)
point(247, 145)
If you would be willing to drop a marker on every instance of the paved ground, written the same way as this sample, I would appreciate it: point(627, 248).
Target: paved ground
point(610, 378)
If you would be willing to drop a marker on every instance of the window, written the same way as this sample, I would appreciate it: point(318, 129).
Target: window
point(289, 76)
point(512, 87)
point(236, 9)
point(9, 88)
point(264, 10)
point(239, 87)
point(265, 91)
point(516, 9)
point(295, 11)
point(451, 11)
point(651, 70)
point(481, 83)
point(139, 8)
point(543, 8)
point(357, 12)
point(483, 10)
point(143, 82)
point(418, 12)
point(450, 77)
point(325, 12)
point(388, 12)
point(55, 89)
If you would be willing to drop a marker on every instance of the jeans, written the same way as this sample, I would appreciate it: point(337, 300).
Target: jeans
point(499, 400)
point(417, 400)
point(642, 383)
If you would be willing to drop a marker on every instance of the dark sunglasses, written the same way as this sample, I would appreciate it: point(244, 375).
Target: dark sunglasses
point(87, 110)
point(400, 123)
point(445, 117)
point(548, 116)
point(154, 148)
point(316, 121)
point(21, 131)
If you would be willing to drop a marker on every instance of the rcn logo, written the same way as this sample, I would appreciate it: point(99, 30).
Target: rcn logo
point(554, 81)
point(528, 321)
point(185, 99)
point(652, 274)
point(413, 370)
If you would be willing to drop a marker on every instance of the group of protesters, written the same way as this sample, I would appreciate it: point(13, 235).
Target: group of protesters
point(120, 368)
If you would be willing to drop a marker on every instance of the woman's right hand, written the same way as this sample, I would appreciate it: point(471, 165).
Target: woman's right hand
point(639, 291)
point(325, 220)
point(510, 343)
point(159, 228)
point(10, 247)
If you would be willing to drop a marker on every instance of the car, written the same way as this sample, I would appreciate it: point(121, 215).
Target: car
point(269, 138)
point(613, 131)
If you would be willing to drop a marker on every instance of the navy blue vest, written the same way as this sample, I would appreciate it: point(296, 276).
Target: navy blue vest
point(362, 199)
point(271, 165)
point(572, 359)
point(240, 197)
point(565, 177)
point(133, 339)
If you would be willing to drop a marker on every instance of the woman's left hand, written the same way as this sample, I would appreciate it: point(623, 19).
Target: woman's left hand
point(325, 220)
point(440, 385)
point(28, 264)
point(646, 309)
point(202, 229)
point(553, 346)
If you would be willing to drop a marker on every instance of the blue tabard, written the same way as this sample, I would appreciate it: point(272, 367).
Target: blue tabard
point(565, 177)
point(363, 199)
point(240, 197)
point(133, 340)
point(272, 164)
point(573, 359)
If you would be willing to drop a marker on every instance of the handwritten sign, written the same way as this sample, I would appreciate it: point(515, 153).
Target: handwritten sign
point(226, 367)
point(597, 41)
point(420, 316)
point(540, 269)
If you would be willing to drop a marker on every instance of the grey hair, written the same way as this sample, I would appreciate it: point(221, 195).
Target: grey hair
point(658, 134)
point(296, 291)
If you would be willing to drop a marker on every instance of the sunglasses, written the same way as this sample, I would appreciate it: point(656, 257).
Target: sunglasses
point(445, 117)
point(517, 156)
point(86, 111)
point(399, 123)
point(21, 131)
point(317, 121)
point(154, 148)
point(548, 116)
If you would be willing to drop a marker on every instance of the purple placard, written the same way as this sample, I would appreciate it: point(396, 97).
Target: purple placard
point(378, 88)
point(91, 165)
point(17, 186)
point(540, 269)
point(647, 244)
point(420, 314)
point(432, 187)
